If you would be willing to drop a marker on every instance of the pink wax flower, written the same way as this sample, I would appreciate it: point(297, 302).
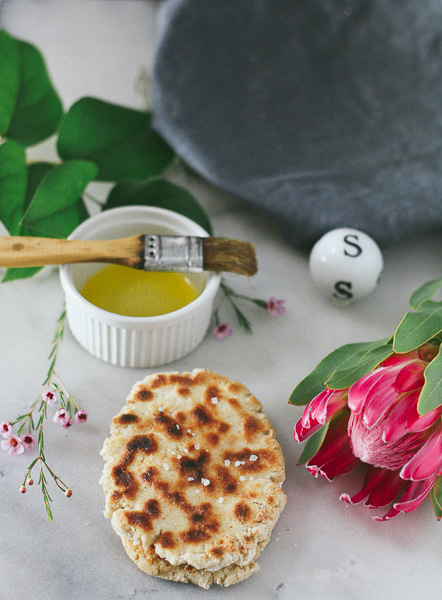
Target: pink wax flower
point(275, 307)
point(13, 444)
point(5, 428)
point(60, 416)
point(81, 416)
point(376, 423)
point(28, 441)
point(222, 331)
point(49, 397)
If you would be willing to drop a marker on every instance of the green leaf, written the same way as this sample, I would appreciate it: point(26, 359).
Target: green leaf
point(425, 292)
point(243, 321)
point(10, 66)
point(13, 178)
point(50, 195)
point(313, 444)
point(57, 207)
point(431, 394)
point(436, 498)
point(12, 274)
point(418, 327)
point(340, 359)
point(36, 172)
point(160, 193)
point(360, 364)
point(38, 109)
point(119, 140)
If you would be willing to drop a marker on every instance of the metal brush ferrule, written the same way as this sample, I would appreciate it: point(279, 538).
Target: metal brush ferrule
point(173, 253)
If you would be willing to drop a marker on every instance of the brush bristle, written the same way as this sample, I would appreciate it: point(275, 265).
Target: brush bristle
point(233, 256)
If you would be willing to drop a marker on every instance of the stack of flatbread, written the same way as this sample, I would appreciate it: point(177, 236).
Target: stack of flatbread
point(193, 478)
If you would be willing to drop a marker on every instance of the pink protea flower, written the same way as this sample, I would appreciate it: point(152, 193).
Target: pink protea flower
point(13, 444)
point(222, 331)
point(28, 441)
point(376, 423)
point(275, 308)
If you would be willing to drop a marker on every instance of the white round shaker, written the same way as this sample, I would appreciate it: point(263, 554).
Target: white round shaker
point(345, 265)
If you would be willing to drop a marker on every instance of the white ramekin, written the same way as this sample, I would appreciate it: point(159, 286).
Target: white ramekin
point(136, 341)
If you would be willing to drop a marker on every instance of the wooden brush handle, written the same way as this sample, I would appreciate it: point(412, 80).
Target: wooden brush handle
point(16, 251)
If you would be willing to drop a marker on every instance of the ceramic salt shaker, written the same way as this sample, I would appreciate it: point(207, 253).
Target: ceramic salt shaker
point(346, 264)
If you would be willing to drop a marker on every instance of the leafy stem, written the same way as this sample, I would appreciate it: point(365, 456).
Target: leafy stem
point(58, 336)
point(34, 421)
point(229, 294)
point(273, 306)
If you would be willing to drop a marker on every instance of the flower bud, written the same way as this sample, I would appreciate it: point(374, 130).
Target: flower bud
point(23, 489)
point(68, 493)
point(30, 482)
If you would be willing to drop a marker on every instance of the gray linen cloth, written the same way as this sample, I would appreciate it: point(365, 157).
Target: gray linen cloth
point(322, 114)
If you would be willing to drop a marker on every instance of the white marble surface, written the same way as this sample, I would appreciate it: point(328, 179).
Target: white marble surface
point(321, 548)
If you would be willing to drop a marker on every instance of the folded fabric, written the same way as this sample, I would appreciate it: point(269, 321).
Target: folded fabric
point(321, 114)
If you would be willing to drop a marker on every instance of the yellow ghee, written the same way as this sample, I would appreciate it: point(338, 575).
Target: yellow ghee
point(134, 293)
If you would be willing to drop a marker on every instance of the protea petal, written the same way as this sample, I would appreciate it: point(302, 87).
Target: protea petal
point(388, 515)
point(414, 495)
point(357, 394)
point(387, 491)
point(334, 456)
point(336, 440)
point(301, 430)
point(424, 422)
point(427, 461)
point(320, 411)
point(401, 416)
point(305, 421)
point(400, 359)
point(380, 398)
point(331, 404)
point(304, 428)
point(329, 451)
point(381, 487)
point(302, 433)
point(373, 478)
point(338, 465)
point(410, 377)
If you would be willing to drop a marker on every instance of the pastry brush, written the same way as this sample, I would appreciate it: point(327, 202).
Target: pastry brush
point(148, 252)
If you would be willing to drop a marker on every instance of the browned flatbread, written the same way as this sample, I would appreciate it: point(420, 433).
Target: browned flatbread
point(193, 478)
